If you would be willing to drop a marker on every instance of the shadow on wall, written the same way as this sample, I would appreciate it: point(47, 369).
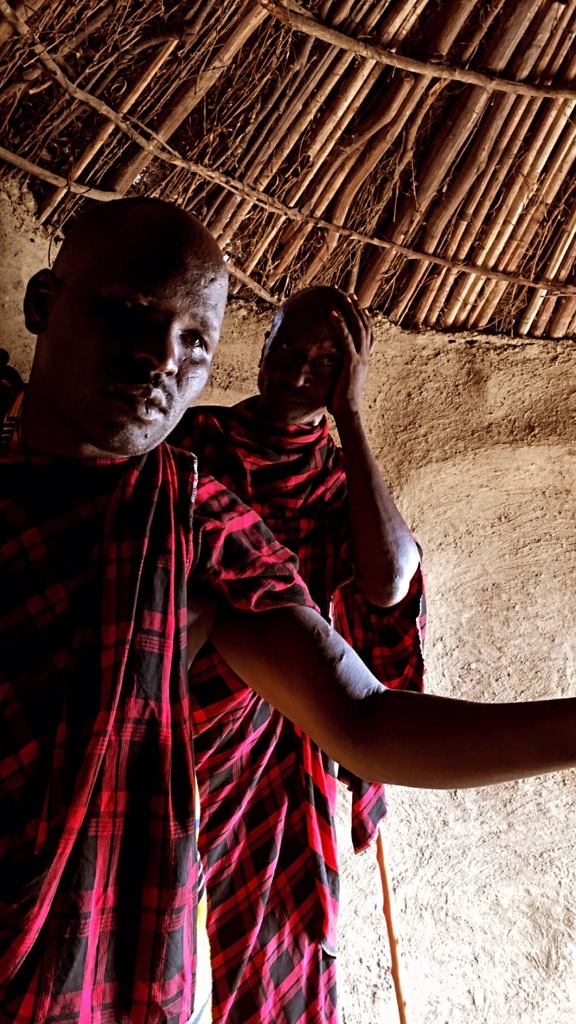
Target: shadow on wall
point(484, 879)
point(499, 531)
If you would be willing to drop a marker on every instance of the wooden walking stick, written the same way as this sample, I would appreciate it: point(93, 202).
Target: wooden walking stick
point(388, 908)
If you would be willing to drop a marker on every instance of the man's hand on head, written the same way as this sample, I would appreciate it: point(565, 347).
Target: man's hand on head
point(354, 333)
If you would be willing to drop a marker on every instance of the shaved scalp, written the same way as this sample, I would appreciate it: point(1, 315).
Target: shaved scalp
point(320, 297)
point(316, 303)
point(148, 239)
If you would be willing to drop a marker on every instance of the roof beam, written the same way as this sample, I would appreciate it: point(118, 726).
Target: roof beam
point(290, 14)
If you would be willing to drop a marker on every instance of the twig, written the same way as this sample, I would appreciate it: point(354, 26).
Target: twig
point(95, 145)
point(250, 282)
point(274, 205)
point(190, 95)
point(258, 197)
point(30, 6)
point(490, 83)
point(56, 179)
point(95, 193)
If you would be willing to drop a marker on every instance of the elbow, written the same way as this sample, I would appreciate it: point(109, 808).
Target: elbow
point(389, 589)
point(384, 594)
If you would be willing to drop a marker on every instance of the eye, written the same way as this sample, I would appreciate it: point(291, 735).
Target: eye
point(194, 340)
point(327, 362)
point(122, 315)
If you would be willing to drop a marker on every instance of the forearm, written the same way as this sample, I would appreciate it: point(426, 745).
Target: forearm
point(385, 553)
point(440, 743)
point(294, 660)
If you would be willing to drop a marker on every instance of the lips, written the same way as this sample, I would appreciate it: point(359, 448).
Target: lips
point(291, 399)
point(283, 392)
point(142, 400)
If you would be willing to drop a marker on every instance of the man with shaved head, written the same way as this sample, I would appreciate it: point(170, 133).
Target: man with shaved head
point(331, 507)
point(116, 559)
point(100, 895)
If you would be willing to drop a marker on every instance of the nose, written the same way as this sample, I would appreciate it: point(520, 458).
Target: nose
point(298, 373)
point(161, 350)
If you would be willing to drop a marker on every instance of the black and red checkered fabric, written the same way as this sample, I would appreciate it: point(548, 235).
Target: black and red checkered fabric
point(100, 883)
point(267, 792)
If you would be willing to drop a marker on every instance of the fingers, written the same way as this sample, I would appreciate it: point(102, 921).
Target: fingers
point(354, 330)
point(359, 325)
point(349, 346)
point(364, 318)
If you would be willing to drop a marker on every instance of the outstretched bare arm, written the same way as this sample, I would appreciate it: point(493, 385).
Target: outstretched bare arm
point(295, 660)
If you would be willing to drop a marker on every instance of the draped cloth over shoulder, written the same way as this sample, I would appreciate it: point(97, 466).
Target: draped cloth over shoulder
point(100, 883)
point(268, 793)
point(102, 908)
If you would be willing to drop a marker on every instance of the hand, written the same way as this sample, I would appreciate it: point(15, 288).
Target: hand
point(355, 335)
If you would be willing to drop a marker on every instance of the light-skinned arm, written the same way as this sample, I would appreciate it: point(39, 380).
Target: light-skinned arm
point(294, 660)
point(385, 553)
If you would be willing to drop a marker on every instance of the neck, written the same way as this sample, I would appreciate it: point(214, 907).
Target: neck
point(44, 431)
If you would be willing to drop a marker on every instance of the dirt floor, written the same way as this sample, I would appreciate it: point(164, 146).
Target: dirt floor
point(477, 439)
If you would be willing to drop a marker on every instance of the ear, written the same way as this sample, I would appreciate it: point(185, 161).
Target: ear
point(264, 347)
point(40, 294)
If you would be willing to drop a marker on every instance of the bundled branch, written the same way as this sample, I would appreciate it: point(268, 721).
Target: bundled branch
point(291, 16)
point(419, 152)
point(77, 188)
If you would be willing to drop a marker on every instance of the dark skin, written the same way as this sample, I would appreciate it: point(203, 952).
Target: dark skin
point(409, 739)
point(316, 358)
point(127, 327)
point(394, 736)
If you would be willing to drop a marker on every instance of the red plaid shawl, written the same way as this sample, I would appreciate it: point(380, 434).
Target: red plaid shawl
point(100, 882)
point(267, 792)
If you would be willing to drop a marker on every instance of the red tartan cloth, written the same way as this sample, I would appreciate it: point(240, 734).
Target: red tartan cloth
point(100, 877)
point(267, 792)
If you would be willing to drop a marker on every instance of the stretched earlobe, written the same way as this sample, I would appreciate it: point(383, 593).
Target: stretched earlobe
point(40, 294)
point(264, 347)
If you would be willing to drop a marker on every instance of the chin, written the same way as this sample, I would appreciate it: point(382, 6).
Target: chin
point(294, 417)
point(130, 441)
point(305, 416)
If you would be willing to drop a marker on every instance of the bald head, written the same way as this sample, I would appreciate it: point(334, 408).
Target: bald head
point(147, 239)
point(314, 303)
point(127, 321)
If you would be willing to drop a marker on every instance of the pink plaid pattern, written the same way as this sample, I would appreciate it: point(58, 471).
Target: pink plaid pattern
point(267, 840)
point(101, 884)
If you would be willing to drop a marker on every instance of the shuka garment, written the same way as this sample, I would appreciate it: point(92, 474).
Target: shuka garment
point(268, 793)
point(101, 892)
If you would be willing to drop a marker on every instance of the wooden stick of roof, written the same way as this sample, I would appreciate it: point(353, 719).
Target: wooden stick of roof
point(257, 196)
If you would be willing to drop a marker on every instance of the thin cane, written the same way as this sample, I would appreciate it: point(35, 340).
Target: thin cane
point(388, 908)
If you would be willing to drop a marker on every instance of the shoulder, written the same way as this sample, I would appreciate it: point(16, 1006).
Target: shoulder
point(236, 558)
point(222, 519)
point(215, 502)
point(197, 422)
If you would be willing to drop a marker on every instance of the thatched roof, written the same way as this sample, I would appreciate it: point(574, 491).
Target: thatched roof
point(420, 152)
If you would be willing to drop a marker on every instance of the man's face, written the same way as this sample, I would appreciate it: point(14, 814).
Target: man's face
point(122, 356)
point(300, 367)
